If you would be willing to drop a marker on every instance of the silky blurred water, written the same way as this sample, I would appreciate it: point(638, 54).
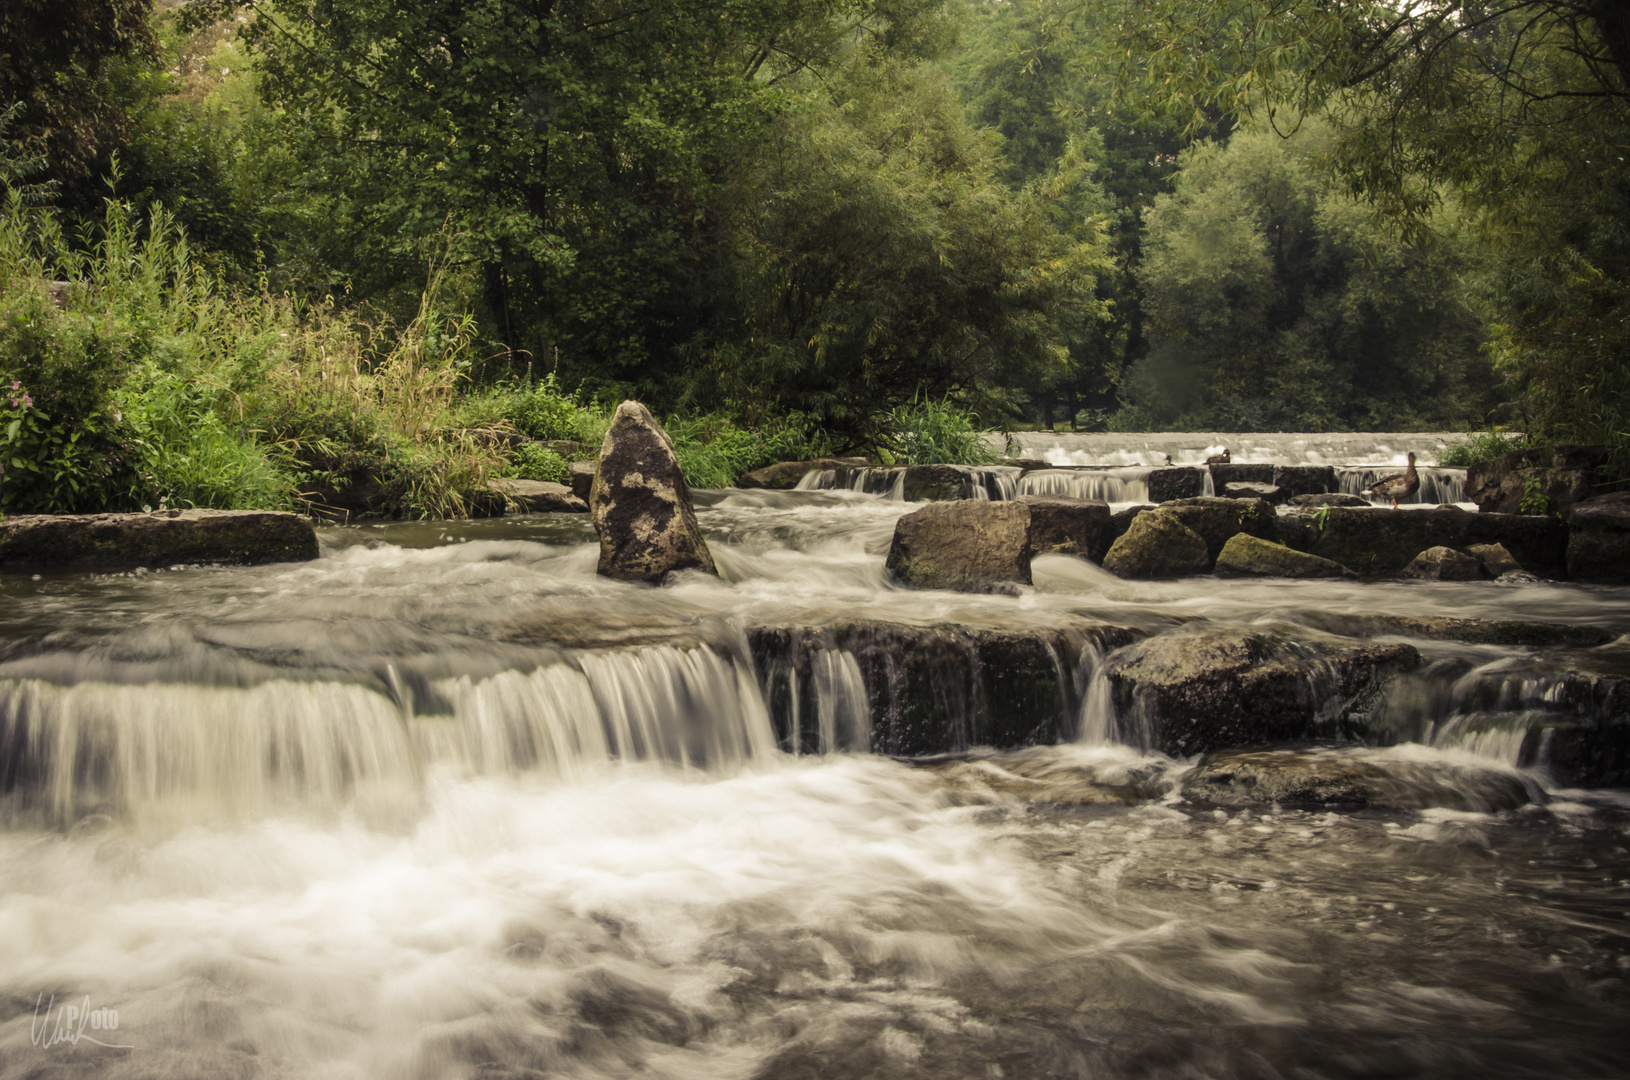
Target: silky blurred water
point(443, 803)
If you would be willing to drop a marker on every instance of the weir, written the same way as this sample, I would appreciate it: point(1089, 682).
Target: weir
point(445, 802)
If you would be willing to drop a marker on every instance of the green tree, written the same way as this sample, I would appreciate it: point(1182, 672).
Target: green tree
point(1518, 112)
point(59, 59)
point(884, 258)
point(576, 145)
point(1020, 75)
point(1274, 302)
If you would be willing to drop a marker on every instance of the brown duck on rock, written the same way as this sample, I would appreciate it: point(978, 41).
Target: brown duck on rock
point(1223, 458)
point(1398, 485)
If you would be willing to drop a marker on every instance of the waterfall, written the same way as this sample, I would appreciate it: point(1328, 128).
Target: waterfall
point(1437, 485)
point(1097, 723)
point(842, 715)
point(817, 480)
point(1111, 485)
point(101, 746)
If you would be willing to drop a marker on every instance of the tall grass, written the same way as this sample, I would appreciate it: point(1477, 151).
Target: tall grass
point(158, 386)
point(929, 432)
point(206, 397)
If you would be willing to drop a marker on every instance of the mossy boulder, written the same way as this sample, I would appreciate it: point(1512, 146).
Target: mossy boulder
point(1251, 556)
point(1495, 558)
point(1188, 692)
point(1443, 564)
point(640, 503)
point(967, 546)
point(1216, 520)
point(165, 538)
point(1157, 545)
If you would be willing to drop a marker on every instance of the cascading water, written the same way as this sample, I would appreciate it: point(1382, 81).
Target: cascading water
point(1438, 486)
point(100, 747)
point(1110, 485)
point(445, 803)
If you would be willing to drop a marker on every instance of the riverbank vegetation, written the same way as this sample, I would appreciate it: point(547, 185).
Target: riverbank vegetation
point(300, 254)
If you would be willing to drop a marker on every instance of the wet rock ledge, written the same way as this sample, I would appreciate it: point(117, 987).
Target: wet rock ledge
point(926, 689)
point(165, 538)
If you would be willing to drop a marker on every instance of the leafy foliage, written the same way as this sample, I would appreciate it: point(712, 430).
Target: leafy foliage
point(1274, 303)
point(577, 146)
point(932, 432)
point(1020, 75)
point(61, 59)
point(885, 258)
point(714, 451)
point(1517, 114)
point(154, 385)
point(1480, 446)
point(532, 461)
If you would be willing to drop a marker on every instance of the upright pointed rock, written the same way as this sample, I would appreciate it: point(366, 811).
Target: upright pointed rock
point(640, 504)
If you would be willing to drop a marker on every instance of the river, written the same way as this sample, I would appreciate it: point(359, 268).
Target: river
point(443, 803)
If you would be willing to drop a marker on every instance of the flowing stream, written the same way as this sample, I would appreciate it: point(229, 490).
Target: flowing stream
point(444, 803)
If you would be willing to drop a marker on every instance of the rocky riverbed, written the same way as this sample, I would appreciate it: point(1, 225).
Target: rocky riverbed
point(448, 801)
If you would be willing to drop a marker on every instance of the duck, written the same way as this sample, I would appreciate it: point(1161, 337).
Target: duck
point(1168, 460)
point(1398, 485)
point(1223, 458)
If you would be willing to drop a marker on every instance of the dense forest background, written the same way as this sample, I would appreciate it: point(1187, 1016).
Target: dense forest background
point(313, 245)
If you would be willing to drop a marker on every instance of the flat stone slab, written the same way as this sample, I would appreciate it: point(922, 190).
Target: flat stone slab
point(1350, 777)
point(1250, 556)
point(1474, 631)
point(1381, 541)
point(164, 538)
point(540, 496)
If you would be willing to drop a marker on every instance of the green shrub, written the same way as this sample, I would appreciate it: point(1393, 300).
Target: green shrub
point(61, 442)
point(533, 461)
point(540, 411)
point(1480, 446)
point(932, 432)
point(714, 452)
point(185, 455)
